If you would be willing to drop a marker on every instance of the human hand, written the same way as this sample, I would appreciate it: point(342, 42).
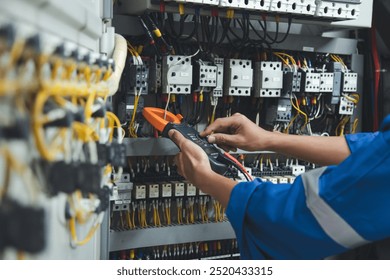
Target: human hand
point(192, 162)
point(237, 131)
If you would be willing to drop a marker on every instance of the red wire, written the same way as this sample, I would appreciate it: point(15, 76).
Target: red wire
point(242, 168)
point(377, 66)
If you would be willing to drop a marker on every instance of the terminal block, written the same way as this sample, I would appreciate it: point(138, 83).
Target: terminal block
point(176, 74)
point(238, 77)
point(291, 82)
point(268, 81)
point(139, 78)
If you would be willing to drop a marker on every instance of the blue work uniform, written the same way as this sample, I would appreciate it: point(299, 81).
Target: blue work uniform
point(325, 212)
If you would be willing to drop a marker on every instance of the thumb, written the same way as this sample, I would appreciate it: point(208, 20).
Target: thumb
point(223, 139)
point(176, 137)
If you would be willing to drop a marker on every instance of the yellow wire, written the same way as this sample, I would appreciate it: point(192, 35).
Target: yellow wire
point(132, 131)
point(282, 59)
point(286, 55)
point(72, 227)
point(354, 126)
point(296, 107)
point(290, 124)
point(128, 219)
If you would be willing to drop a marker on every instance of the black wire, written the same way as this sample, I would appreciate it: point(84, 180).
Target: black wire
point(225, 25)
point(200, 110)
point(193, 32)
point(274, 40)
point(196, 27)
point(171, 26)
point(287, 32)
point(182, 20)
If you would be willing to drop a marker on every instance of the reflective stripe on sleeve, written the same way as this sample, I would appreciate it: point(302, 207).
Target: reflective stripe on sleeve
point(331, 222)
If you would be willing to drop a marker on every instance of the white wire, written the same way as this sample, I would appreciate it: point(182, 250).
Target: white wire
point(93, 152)
point(166, 105)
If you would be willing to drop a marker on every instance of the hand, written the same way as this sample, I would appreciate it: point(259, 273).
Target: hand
point(192, 162)
point(237, 131)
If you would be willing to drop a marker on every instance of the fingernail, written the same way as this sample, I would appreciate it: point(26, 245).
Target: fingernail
point(211, 139)
point(171, 132)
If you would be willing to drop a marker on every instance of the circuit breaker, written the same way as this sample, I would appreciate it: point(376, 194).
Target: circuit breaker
point(268, 79)
point(238, 77)
point(177, 74)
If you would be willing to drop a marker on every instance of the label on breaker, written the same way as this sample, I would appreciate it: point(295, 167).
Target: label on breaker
point(154, 191)
point(167, 190)
point(191, 190)
point(179, 189)
point(140, 192)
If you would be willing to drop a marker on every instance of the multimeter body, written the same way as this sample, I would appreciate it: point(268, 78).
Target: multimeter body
point(165, 121)
point(216, 158)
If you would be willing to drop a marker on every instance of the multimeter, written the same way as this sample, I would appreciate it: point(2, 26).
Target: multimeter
point(155, 116)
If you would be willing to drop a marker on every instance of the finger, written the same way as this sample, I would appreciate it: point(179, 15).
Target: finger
point(179, 163)
point(177, 137)
point(220, 125)
point(222, 139)
point(227, 148)
point(176, 159)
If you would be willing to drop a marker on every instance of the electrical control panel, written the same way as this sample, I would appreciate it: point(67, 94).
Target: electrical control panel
point(91, 157)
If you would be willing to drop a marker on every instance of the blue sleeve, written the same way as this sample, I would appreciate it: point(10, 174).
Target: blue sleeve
point(356, 141)
point(271, 221)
